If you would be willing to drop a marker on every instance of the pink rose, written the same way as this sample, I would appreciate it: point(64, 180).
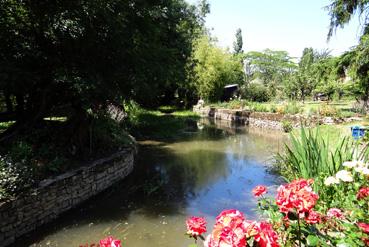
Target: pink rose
point(313, 217)
point(110, 242)
point(335, 213)
point(259, 190)
point(362, 193)
point(364, 227)
point(196, 226)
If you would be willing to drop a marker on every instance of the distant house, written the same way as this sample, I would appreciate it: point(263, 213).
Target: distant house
point(320, 97)
point(230, 91)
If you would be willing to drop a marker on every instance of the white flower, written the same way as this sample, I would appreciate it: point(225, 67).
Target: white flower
point(360, 163)
point(350, 164)
point(345, 176)
point(331, 180)
point(362, 170)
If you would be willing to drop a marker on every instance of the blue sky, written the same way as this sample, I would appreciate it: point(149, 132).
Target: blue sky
point(289, 25)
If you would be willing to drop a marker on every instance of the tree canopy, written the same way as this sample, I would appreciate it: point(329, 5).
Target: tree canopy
point(213, 69)
point(238, 43)
point(78, 54)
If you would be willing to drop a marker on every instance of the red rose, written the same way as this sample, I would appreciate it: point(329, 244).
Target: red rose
point(335, 213)
point(296, 196)
point(362, 193)
point(364, 227)
point(110, 242)
point(313, 217)
point(196, 226)
point(266, 236)
point(259, 190)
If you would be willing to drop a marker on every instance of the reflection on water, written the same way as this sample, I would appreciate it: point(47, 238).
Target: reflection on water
point(212, 169)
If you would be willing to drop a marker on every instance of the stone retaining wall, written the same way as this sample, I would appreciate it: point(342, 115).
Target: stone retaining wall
point(261, 119)
point(55, 196)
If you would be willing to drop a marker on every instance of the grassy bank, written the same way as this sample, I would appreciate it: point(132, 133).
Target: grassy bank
point(158, 124)
point(343, 108)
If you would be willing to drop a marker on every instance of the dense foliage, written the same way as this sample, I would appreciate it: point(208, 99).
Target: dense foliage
point(213, 69)
point(66, 57)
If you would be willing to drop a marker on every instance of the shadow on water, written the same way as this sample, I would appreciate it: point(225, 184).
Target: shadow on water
point(209, 170)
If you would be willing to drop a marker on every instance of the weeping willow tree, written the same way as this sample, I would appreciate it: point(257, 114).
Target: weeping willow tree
point(357, 60)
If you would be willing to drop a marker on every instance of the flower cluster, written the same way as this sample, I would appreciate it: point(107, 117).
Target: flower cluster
point(358, 166)
point(231, 229)
point(296, 218)
point(296, 197)
point(347, 175)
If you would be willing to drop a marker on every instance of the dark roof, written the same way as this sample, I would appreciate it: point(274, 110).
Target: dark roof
point(231, 85)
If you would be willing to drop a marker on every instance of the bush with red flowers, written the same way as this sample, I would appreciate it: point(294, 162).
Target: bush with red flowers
point(299, 216)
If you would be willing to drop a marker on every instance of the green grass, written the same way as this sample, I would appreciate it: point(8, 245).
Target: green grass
point(343, 108)
point(150, 124)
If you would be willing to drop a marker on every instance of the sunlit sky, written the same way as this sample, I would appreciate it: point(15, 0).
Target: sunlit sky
point(289, 25)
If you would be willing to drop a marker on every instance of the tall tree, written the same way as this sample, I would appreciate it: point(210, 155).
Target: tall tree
point(81, 53)
point(214, 68)
point(304, 78)
point(341, 12)
point(271, 67)
point(238, 43)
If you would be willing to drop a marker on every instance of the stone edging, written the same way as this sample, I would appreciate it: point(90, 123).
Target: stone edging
point(55, 196)
point(262, 119)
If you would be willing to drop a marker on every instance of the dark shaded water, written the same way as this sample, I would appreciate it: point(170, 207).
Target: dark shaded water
point(211, 169)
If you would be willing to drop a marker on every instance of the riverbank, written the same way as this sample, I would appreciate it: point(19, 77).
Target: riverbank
point(267, 119)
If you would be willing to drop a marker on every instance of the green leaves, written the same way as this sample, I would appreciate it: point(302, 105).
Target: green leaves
point(312, 240)
point(214, 68)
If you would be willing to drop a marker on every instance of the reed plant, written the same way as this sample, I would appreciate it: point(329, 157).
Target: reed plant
point(311, 155)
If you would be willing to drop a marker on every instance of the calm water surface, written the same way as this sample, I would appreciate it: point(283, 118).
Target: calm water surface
point(212, 169)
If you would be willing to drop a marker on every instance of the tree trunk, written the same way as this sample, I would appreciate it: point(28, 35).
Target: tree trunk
point(8, 102)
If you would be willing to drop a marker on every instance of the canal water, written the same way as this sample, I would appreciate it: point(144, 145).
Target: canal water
point(211, 169)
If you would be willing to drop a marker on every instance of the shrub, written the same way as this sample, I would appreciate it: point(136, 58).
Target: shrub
point(14, 177)
point(257, 107)
point(329, 111)
point(273, 108)
point(255, 92)
point(292, 108)
point(297, 215)
point(287, 126)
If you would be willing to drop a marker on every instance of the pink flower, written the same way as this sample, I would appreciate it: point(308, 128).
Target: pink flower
point(297, 196)
point(362, 193)
point(364, 227)
point(110, 242)
point(259, 190)
point(229, 230)
point(335, 213)
point(266, 236)
point(196, 226)
point(313, 217)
